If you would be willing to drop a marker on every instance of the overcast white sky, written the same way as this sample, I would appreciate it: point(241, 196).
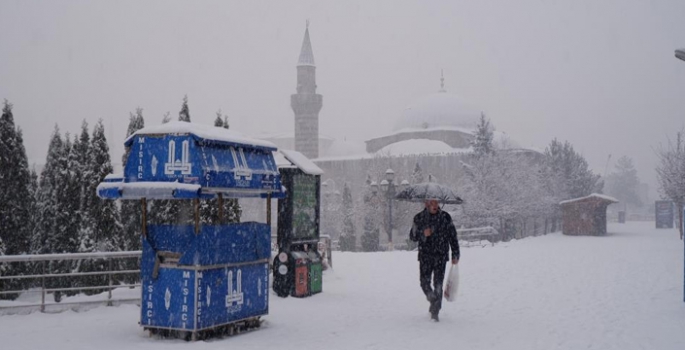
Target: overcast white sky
point(601, 74)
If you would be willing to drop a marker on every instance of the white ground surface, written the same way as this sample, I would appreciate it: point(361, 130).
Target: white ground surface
point(623, 291)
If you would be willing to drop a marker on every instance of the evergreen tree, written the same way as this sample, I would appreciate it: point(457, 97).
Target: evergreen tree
point(106, 221)
point(166, 118)
point(483, 141)
point(209, 211)
point(54, 225)
point(14, 186)
point(15, 203)
point(218, 122)
point(565, 175)
point(226, 122)
point(184, 113)
point(46, 204)
point(570, 169)
point(131, 215)
point(624, 182)
point(417, 175)
point(371, 237)
point(103, 229)
point(348, 238)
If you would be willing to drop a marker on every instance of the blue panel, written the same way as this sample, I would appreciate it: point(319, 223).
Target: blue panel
point(109, 193)
point(235, 243)
point(163, 158)
point(218, 166)
point(230, 294)
point(169, 301)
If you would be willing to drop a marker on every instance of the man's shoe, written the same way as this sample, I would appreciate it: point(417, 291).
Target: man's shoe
point(434, 317)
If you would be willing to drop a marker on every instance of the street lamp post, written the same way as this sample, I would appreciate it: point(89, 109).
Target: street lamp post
point(680, 54)
point(390, 189)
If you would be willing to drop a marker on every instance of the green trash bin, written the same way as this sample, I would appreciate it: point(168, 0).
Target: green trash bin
point(315, 273)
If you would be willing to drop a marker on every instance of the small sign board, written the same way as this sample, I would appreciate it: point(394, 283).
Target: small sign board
point(664, 214)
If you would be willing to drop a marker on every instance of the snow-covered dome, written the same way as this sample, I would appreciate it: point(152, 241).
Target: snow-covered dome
point(438, 110)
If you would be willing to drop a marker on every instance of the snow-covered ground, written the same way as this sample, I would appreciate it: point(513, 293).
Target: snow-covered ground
point(623, 291)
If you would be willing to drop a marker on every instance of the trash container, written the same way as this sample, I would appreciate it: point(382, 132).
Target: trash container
point(301, 274)
point(315, 272)
point(282, 274)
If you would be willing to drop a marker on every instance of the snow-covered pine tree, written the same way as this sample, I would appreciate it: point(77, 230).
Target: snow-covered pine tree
point(46, 203)
point(348, 238)
point(14, 186)
point(565, 175)
point(571, 168)
point(107, 224)
point(226, 126)
point(624, 182)
point(166, 118)
point(417, 175)
point(33, 205)
point(86, 240)
point(184, 113)
point(52, 231)
point(104, 233)
point(483, 141)
point(131, 216)
point(219, 122)
point(370, 240)
point(15, 202)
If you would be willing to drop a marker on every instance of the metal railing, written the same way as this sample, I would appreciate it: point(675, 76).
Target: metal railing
point(41, 262)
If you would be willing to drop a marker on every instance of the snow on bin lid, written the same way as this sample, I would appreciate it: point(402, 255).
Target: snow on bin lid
point(206, 132)
point(594, 195)
point(288, 158)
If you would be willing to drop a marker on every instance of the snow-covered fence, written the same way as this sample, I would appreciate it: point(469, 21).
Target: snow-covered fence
point(478, 234)
point(41, 262)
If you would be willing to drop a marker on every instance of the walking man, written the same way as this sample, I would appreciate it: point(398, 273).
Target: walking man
point(434, 230)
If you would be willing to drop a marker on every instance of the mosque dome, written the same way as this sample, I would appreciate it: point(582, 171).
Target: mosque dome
point(440, 110)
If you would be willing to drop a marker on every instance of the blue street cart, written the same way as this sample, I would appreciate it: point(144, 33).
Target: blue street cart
point(199, 277)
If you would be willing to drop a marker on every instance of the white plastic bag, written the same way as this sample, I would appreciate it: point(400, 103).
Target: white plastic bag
point(452, 286)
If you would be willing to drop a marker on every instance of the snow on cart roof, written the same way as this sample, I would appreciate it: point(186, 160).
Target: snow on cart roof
point(204, 132)
point(286, 158)
point(594, 195)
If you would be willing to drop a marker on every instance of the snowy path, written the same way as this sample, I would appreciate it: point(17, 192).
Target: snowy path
point(623, 291)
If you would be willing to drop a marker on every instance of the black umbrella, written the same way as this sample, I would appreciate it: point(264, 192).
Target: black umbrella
point(429, 190)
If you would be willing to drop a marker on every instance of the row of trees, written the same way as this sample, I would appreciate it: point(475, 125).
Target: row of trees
point(58, 211)
point(671, 174)
point(507, 188)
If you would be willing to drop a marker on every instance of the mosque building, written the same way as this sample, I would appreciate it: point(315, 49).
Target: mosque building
point(433, 133)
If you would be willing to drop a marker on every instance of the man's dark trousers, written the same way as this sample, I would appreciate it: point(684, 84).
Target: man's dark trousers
point(435, 268)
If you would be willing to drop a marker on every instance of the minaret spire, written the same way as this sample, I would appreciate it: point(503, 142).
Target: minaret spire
point(306, 53)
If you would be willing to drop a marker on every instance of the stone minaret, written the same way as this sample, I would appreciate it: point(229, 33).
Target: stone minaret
point(306, 103)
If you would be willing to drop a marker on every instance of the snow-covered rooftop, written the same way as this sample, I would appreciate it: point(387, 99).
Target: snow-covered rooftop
point(289, 158)
point(594, 195)
point(206, 132)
